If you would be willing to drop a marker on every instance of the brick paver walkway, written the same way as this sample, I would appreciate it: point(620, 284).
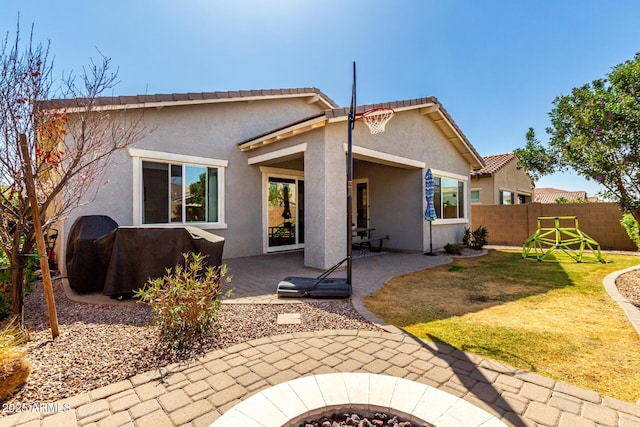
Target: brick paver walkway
point(198, 393)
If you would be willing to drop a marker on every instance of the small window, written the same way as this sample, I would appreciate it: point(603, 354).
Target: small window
point(506, 198)
point(475, 196)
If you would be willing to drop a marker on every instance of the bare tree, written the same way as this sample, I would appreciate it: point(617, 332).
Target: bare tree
point(69, 140)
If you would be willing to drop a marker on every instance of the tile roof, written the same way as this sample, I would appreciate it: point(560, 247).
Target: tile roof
point(196, 97)
point(550, 195)
point(396, 105)
point(493, 164)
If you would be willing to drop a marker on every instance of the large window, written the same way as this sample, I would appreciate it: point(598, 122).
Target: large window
point(179, 193)
point(449, 198)
point(171, 188)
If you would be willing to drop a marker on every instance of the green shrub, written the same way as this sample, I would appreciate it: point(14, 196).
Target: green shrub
point(476, 239)
point(631, 225)
point(453, 248)
point(6, 301)
point(186, 301)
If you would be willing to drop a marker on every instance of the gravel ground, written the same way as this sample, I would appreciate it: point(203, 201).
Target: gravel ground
point(629, 286)
point(99, 345)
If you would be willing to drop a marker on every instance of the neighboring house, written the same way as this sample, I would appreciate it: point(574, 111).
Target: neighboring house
point(501, 182)
point(553, 195)
point(266, 170)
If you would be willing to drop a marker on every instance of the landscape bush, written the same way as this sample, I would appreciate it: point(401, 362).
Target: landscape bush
point(476, 239)
point(5, 281)
point(186, 301)
point(631, 225)
point(453, 248)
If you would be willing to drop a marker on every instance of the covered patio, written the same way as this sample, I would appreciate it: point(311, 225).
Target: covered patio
point(254, 279)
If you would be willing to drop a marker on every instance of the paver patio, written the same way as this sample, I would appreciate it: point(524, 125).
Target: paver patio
point(198, 393)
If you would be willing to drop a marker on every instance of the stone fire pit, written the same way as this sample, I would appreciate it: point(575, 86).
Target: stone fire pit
point(292, 402)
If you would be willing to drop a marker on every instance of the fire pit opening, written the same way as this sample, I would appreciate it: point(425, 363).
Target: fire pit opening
point(359, 417)
point(312, 397)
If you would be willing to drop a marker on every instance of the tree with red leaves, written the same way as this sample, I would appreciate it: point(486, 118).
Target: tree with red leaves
point(68, 142)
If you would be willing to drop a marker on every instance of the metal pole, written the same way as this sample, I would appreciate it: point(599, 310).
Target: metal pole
point(349, 199)
point(350, 122)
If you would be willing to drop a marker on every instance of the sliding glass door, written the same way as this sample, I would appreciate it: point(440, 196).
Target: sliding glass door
point(285, 213)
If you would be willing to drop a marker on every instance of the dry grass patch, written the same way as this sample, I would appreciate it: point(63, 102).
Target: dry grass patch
point(14, 366)
point(553, 318)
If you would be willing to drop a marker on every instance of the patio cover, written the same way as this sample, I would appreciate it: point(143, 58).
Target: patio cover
point(133, 255)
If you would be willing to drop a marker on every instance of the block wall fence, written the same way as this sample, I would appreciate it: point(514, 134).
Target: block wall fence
point(512, 224)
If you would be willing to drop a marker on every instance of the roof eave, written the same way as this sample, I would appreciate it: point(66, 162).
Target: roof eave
point(429, 106)
point(443, 120)
point(171, 100)
point(305, 125)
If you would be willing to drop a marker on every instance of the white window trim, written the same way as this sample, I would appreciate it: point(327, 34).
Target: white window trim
point(281, 173)
point(384, 158)
point(178, 158)
point(479, 190)
point(138, 155)
point(443, 174)
point(514, 194)
point(525, 192)
point(467, 208)
point(296, 149)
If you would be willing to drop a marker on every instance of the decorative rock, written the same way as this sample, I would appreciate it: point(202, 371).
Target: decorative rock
point(379, 419)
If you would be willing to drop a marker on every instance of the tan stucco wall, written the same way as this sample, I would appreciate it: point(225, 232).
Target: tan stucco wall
point(512, 225)
point(485, 185)
point(397, 194)
point(213, 131)
point(508, 178)
point(210, 131)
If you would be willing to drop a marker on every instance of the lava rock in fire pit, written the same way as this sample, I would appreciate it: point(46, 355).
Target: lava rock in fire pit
point(378, 419)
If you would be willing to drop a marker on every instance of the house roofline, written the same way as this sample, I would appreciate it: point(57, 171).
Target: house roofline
point(427, 106)
point(193, 98)
point(300, 126)
point(485, 172)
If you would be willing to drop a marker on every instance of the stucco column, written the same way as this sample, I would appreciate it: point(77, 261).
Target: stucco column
point(325, 199)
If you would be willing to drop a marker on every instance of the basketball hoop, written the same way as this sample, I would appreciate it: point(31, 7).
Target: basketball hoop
point(376, 119)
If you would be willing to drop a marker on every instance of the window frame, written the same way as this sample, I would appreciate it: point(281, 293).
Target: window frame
point(501, 197)
point(140, 155)
point(475, 202)
point(466, 197)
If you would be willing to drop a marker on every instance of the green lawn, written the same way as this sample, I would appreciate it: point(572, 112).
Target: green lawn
point(553, 318)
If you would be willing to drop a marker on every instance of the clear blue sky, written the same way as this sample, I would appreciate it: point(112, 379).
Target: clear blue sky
point(496, 66)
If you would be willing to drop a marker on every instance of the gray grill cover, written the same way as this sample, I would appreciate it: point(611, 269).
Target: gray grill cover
point(84, 269)
point(133, 255)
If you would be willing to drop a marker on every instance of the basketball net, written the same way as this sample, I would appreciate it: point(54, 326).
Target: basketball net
point(376, 119)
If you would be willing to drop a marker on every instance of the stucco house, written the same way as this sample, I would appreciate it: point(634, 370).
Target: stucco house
point(501, 182)
point(555, 195)
point(266, 170)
